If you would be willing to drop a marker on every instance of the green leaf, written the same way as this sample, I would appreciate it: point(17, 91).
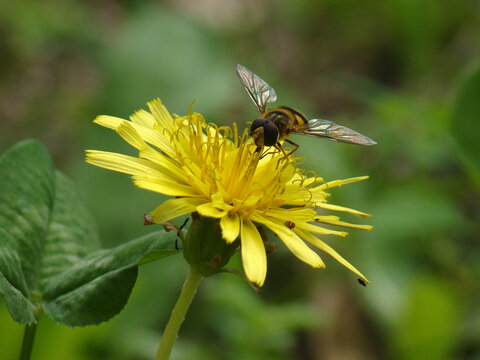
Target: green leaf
point(466, 116)
point(72, 232)
point(97, 288)
point(27, 193)
point(18, 304)
point(49, 257)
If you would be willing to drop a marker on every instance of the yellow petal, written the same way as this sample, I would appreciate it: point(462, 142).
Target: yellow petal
point(173, 208)
point(164, 186)
point(293, 214)
point(161, 115)
point(293, 242)
point(254, 258)
point(312, 239)
point(122, 163)
point(143, 118)
point(164, 163)
point(320, 230)
point(217, 200)
point(110, 122)
point(322, 218)
point(209, 210)
point(301, 180)
point(145, 174)
point(130, 135)
point(341, 208)
point(151, 136)
point(298, 197)
point(336, 183)
point(337, 222)
point(230, 224)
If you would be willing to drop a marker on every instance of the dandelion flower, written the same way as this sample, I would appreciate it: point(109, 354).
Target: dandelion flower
point(216, 173)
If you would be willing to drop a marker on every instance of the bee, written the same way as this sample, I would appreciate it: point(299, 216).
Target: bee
point(275, 125)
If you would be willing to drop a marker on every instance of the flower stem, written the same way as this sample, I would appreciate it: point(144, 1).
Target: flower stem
point(178, 314)
point(27, 343)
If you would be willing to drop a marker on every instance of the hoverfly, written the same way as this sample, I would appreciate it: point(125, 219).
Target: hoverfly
point(277, 124)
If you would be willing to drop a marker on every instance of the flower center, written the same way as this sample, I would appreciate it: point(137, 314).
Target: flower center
point(218, 160)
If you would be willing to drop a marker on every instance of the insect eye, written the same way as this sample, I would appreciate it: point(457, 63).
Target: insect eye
point(270, 133)
point(257, 123)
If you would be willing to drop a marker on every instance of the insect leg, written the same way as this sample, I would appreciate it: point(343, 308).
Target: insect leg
point(279, 147)
point(286, 155)
point(292, 143)
point(270, 152)
point(178, 233)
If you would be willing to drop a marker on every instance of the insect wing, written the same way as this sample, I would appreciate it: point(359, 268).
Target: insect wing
point(260, 92)
point(330, 130)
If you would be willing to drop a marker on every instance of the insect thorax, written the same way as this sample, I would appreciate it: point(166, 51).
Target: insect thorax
point(286, 119)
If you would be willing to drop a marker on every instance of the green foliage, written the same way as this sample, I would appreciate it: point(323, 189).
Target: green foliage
point(97, 287)
point(50, 260)
point(388, 70)
point(466, 116)
point(27, 198)
point(135, 64)
point(255, 329)
point(435, 310)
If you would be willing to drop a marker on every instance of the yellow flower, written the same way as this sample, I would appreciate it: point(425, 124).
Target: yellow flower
point(215, 172)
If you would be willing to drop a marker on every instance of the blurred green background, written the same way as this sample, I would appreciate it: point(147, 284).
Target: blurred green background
point(404, 72)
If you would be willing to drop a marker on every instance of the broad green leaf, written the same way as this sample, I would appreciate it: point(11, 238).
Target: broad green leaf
point(49, 249)
point(27, 194)
point(97, 288)
point(466, 116)
point(72, 232)
point(20, 307)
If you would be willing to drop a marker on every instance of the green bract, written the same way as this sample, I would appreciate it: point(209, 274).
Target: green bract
point(204, 247)
point(50, 256)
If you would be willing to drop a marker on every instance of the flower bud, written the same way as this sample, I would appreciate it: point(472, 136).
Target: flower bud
point(204, 248)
